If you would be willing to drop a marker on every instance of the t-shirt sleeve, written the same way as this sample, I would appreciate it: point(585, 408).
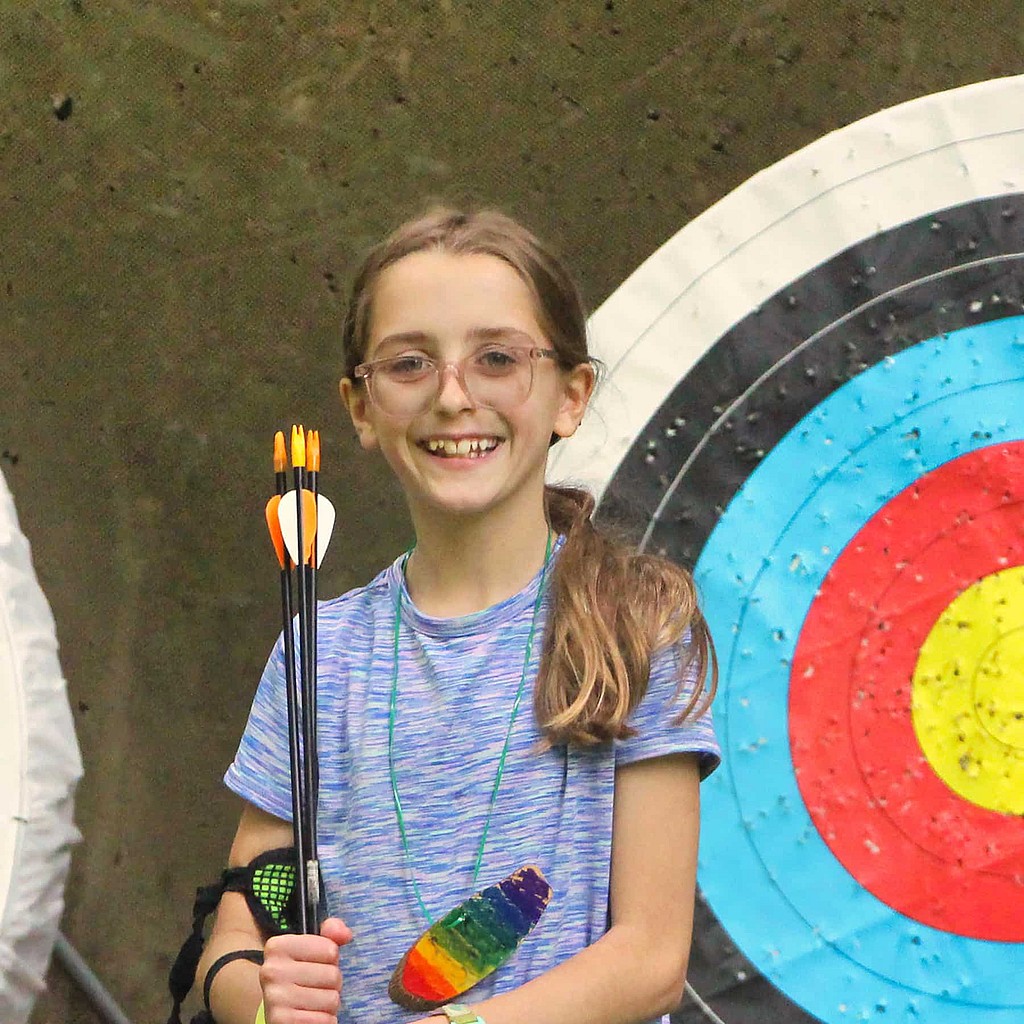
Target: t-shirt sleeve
point(654, 717)
point(260, 772)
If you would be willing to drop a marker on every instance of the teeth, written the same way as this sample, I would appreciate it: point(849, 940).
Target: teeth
point(472, 447)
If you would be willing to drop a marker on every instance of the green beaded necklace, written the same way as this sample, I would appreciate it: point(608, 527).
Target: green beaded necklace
point(392, 715)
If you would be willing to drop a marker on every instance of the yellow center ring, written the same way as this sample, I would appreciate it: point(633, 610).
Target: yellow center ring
point(968, 693)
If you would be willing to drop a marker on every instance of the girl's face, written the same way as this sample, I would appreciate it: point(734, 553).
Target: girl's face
point(447, 307)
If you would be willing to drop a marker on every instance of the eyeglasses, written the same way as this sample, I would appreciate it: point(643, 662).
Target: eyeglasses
point(496, 376)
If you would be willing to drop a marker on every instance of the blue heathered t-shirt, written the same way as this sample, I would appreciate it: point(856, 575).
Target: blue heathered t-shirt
point(457, 681)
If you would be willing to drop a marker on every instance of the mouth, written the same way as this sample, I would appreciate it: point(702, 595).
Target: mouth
point(460, 448)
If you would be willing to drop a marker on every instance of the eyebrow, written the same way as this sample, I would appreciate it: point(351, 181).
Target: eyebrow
point(404, 338)
point(499, 333)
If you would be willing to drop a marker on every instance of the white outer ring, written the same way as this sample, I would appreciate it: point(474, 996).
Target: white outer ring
point(39, 767)
point(888, 169)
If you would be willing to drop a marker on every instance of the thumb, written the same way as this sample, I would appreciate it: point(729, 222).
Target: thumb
point(336, 930)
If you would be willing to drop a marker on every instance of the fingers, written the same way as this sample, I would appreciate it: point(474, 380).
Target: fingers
point(336, 930)
point(301, 973)
point(300, 978)
point(283, 1004)
point(311, 948)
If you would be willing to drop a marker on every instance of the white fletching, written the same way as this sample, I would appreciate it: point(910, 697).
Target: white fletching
point(325, 516)
point(287, 515)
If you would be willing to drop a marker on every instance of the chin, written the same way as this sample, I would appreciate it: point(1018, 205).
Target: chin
point(466, 508)
point(470, 502)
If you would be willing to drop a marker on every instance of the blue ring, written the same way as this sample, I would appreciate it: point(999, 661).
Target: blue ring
point(835, 949)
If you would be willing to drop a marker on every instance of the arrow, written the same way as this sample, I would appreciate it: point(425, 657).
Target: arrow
point(307, 576)
point(271, 512)
point(303, 502)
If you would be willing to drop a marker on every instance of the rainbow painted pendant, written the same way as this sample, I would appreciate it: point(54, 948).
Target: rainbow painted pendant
point(469, 942)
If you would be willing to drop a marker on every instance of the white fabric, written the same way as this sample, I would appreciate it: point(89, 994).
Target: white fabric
point(39, 767)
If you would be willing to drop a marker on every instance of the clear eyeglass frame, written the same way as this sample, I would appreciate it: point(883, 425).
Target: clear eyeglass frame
point(417, 394)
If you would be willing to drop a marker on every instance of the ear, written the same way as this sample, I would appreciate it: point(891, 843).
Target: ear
point(577, 387)
point(356, 400)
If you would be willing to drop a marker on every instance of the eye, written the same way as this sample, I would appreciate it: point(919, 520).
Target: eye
point(407, 367)
point(496, 359)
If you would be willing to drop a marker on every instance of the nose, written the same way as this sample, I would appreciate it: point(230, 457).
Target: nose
point(452, 394)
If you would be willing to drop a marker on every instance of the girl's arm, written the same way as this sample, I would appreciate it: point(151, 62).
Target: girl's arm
point(300, 972)
point(637, 970)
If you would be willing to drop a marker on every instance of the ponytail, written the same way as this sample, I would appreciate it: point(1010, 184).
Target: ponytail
point(611, 609)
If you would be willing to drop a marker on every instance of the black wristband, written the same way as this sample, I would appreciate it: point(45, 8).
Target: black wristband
point(254, 956)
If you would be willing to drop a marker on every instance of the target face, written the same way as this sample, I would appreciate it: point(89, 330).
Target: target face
point(920, 618)
point(842, 463)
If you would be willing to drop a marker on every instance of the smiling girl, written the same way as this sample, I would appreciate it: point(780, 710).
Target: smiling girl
point(515, 708)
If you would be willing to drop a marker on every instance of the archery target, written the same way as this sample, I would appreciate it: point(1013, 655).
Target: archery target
point(815, 396)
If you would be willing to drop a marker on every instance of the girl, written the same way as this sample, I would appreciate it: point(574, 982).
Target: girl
point(466, 357)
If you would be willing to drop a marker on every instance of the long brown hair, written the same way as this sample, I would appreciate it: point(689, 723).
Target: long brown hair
point(611, 606)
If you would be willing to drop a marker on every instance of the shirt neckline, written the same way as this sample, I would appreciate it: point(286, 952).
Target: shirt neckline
point(472, 623)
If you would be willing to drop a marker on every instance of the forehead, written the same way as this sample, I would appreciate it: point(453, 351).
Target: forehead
point(450, 297)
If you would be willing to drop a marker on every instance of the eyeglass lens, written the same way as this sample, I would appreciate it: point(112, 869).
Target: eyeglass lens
point(494, 378)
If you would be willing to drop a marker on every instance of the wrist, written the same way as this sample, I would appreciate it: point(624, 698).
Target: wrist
point(253, 956)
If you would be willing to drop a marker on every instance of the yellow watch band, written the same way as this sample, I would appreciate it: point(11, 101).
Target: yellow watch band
point(261, 1014)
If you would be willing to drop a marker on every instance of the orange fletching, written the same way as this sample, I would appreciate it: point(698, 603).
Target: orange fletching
point(308, 525)
point(274, 526)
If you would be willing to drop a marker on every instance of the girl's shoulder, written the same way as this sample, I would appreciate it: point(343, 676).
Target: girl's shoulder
point(361, 603)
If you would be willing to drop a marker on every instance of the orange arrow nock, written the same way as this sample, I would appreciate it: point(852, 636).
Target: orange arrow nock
point(280, 455)
point(313, 451)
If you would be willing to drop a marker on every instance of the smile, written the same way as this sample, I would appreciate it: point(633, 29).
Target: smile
point(464, 447)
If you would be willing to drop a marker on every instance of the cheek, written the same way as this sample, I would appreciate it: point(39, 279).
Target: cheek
point(392, 443)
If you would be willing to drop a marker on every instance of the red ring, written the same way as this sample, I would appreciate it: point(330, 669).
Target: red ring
point(878, 805)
